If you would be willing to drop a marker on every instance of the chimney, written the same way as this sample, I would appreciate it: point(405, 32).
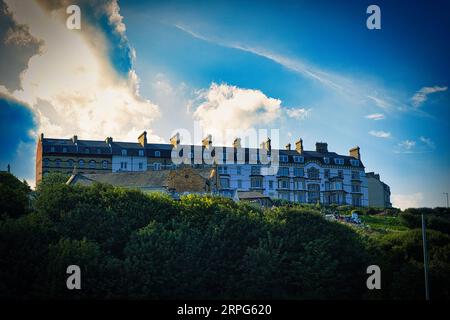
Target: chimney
point(175, 140)
point(42, 137)
point(108, 140)
point(207, 142)
point(142, 139)
point(299, 145)
point(237, 143)
point(288, 146)
point(75, 139)
point(354, 152)
point(266, 145)
point(322, 147)
point(9, 168)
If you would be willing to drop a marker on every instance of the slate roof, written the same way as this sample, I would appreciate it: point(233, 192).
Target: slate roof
point(101, 147)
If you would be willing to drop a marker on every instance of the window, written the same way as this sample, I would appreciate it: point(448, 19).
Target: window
point(341, 174)
point(313, 173)
point(64, 149)
point(86, 150)
point(81, 163)
point(299, 172)
point(99, 151)
point(157, 166)
point(271, 185)
point(284, 196)
point(256, 182)
point(283, 158)
point(123, 165)
point(283, 184)
point(339, 161)
point(283, 171)
point(140, 165)
point(256, 170)
point(46, 162)
point(58, 163)
point(354, 162)
point(225, 183)
point(52, 149)
point(124, 152)
point(223, 170)
point(356, 188)
point(313, 193)
point(355, 175)
point(356, 200)
point(299, 185)
point(299, 159)
point(70, 163)
point(105, 164)
point(326, 173)
point(157, 154)
point(92, 164)
point(238, 170)
point(239, 183)
point(326, 160)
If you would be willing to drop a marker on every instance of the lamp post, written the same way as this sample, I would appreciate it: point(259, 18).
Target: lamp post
point(425, 257)
point(446, 193)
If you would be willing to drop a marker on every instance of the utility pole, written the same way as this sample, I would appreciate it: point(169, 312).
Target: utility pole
point(446, 193)
point(425, 257)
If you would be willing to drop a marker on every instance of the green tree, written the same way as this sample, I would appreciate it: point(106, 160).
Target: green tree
point(14, 196)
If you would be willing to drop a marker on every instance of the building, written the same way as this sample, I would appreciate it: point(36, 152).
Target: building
point(301, 176)
point(183, 180)
point(379, 192)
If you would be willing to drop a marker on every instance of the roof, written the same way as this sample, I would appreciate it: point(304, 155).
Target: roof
point(133, 148)
point(248, 195)
point(145, 179)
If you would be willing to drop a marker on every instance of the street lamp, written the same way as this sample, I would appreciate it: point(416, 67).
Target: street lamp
point(446, 193)
point(425, 257)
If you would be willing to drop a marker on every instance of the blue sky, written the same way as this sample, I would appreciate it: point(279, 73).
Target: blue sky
point(310, 68)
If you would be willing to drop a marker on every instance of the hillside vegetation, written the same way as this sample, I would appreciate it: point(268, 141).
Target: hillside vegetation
point(129, 244)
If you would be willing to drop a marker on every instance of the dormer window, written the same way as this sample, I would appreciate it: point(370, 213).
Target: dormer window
point(52, 149)
point(157, 154)
point(283, 158)
point(64, 149)
point(339, 161)
point(354, 162)
point(86, 150)
point(326, 160)
point(299, 159)
point(124, 152)
point(141, 153)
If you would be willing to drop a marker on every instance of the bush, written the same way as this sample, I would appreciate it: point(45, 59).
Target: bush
point(14, 196)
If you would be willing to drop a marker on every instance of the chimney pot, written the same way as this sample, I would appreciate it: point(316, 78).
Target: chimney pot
point(322, 147)
point(175, 140)
point(355, 153)
point(75, 139)
point(237, 143)
point(299, 145)
point(288, 146)
point(142, 139)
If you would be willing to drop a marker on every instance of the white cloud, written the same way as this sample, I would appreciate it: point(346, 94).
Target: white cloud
point(404, 201)
point(407, 144)
point(375, 116)
point(428, 142)
point(379, 102)
point(422, 95)
point(350, 88)
point(380, 134)
point(71, 86)
point(225, 107)
point(298, 113)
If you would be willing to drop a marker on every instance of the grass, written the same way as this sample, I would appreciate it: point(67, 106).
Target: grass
point(383, 224)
